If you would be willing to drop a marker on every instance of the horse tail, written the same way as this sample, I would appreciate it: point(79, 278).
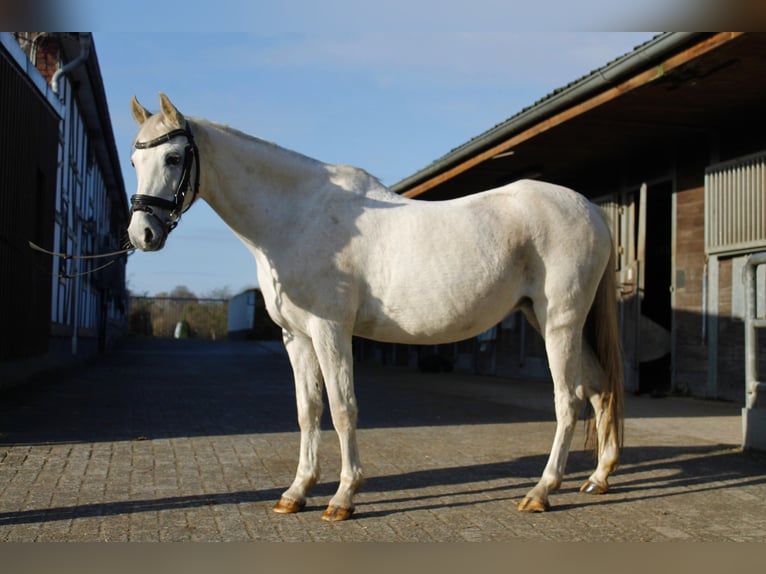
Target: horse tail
point(603, 334)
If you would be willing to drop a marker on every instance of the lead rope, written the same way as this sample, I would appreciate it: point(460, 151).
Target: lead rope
point(67, 257)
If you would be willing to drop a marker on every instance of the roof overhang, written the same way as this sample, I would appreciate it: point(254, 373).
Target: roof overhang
point(95, 112)
point(678, 85)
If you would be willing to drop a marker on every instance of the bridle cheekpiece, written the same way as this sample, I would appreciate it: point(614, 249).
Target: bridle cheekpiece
point(145, 203)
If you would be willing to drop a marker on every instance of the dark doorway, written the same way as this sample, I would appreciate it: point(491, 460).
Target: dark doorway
point(655, 373)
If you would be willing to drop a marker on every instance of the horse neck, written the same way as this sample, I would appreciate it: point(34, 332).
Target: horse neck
point(253, 184)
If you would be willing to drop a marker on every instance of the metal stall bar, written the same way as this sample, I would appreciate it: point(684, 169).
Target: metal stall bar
point(753, 416)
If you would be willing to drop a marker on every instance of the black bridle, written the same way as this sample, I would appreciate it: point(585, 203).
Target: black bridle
point(175, 208)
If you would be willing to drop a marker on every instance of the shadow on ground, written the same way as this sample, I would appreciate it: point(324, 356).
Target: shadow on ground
point(154, 388)
point(686, 470)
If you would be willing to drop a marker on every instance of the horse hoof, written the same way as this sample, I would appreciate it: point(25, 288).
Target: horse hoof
point(534, 505)
point(336, 514)
point(593, 488)
point(288, 506)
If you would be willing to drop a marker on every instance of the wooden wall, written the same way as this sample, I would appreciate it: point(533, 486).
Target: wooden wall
point(691, 354)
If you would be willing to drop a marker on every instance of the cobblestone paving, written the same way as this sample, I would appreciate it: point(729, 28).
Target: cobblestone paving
point(185, 440)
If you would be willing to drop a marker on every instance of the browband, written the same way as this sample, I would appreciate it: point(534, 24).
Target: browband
point(162, 139)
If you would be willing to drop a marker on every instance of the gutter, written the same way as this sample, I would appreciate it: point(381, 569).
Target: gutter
point(659, 48)
point(84, 53)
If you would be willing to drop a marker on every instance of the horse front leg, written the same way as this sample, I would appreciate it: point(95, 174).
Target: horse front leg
point(332, 344)
point(308, 397)
point(563, 347)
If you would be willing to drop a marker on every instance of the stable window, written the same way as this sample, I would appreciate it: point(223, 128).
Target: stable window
point(735, 206)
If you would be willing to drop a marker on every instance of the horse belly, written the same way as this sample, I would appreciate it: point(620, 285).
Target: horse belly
point(462, 272)
point(436, 316)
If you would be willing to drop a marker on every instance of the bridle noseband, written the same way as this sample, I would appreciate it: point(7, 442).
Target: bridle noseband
point(145, 203)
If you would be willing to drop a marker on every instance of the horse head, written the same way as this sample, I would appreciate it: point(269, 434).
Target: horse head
point(163, 158)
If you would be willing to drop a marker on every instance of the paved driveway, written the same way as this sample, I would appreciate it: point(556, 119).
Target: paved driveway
point(169, 440)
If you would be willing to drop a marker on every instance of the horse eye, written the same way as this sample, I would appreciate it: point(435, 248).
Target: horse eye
point(172, 160)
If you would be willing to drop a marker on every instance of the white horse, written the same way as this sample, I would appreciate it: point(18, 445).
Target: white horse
point(338, 254)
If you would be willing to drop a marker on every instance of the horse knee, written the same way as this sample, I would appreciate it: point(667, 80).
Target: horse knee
point(344, 416)
point(309, 419)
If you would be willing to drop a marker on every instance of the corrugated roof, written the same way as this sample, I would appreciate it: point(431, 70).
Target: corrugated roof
point(642, 56)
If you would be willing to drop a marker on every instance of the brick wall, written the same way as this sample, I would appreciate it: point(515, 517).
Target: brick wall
point(47, 61)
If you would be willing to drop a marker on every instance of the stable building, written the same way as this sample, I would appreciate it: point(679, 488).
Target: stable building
point(670, 139)
point(62, 190)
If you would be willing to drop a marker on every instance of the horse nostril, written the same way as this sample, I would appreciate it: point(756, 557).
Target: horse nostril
point(148, 236)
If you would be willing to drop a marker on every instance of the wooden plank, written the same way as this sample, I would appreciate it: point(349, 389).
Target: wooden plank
point(610, 94)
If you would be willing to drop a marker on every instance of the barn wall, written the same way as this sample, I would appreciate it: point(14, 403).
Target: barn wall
point(61, 189)
point(691, 353)
point(28, 183)
point(730, 353)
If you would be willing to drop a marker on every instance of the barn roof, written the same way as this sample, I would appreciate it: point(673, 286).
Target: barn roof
point(656, 59)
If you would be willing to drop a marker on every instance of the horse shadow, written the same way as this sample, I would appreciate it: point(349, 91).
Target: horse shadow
point(648, 473)
point(672, 472)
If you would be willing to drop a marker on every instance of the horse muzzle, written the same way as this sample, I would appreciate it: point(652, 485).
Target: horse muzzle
point(147, 231)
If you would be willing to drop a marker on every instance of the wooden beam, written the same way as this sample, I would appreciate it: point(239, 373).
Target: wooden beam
point(637, 81)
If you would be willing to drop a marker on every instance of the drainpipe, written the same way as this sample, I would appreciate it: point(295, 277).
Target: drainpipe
point(84, 53)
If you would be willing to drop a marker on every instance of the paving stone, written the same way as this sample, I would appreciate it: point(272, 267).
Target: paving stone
point(195, 441)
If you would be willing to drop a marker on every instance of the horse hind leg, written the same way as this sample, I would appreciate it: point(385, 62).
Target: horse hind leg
point(603, 379)
point(563, 345)
point(604, 425)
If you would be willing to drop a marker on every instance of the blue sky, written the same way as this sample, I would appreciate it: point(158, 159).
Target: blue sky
point(390, 102)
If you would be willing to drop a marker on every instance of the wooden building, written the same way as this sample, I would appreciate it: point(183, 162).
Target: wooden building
point(670, 139)
point(60, 187)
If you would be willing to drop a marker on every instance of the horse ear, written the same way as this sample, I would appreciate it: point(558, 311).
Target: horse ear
point(173, 117)
point(140, 113)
